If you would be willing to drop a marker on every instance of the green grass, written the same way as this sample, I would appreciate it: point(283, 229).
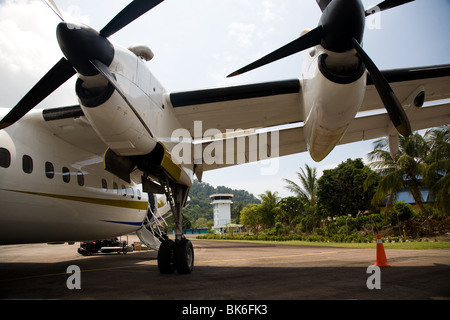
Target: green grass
point(404, 245)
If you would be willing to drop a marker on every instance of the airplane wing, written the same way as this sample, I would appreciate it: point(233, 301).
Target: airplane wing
point(280, 103)
point(70, 125)
point(433, 80)
point(240, 107)
point(271, 115)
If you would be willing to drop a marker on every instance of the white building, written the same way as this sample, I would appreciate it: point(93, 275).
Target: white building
point(222, 209)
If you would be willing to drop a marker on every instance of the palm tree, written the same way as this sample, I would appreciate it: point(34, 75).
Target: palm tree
point(308, 188)
point(270, 198)
point(404, 171)
point(437, 174)
point(268, 207)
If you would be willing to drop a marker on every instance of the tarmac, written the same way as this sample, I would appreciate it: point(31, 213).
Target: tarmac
point(224, 271)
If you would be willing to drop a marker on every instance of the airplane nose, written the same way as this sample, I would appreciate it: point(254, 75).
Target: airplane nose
point(80, 44)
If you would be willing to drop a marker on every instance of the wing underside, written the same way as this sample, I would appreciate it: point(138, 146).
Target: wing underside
point(280, 103)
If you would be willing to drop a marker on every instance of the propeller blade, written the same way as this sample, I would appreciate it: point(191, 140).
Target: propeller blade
point(60, 73)
point(130, 13)
point(390, 100)
point(323, 4)
point(308, 40)
point(55, 9)
point(385, 5)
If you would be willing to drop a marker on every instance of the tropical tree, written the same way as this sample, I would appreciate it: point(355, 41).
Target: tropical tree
point(261, 216)
point(293, 209)
point(437, 174)
point(404, 171)
point(341, 190)
point(251, 217)
point(269, 207)
point(308, 187)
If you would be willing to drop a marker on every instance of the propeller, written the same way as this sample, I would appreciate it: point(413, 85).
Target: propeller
point(60, 73)
point(393, 106)
point(55, 9)
point(385, 5)
point(341, 28)
point(131, 12)
point(312, 38)
point(84, 49)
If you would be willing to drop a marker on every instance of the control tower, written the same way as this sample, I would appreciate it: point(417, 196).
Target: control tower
point(222, 210)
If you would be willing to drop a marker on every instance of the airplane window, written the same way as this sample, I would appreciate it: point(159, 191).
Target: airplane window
point(80, 178)
point(104, 185)
point(5, 158)
point(66, 174)
point(139, 194)
point(124, 191)
point(116, 188)
point(131, 193)
point(27, 164)
point(49, 170)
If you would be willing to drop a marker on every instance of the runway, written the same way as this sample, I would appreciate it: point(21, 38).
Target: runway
point(225, 271)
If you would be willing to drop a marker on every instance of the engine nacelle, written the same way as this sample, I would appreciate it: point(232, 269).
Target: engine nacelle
point(333, 93)
point(112, 118)
point(121, 119)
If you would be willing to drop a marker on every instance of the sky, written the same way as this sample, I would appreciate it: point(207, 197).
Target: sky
point(197, 43)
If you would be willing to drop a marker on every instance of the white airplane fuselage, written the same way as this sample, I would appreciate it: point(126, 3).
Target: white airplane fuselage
point(54, 191)
point(79, 200)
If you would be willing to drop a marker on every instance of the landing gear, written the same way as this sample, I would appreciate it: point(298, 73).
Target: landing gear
point(165, 257)
point(184, 256)
point(178, 255)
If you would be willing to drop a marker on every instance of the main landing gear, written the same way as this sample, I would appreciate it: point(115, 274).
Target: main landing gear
point(176, 255)
point(179, 254)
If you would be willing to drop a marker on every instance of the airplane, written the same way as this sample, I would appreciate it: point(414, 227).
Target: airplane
point(93, 170)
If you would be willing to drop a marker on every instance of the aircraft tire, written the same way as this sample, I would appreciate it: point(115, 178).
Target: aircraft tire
point(166, 257)
point(184, 256)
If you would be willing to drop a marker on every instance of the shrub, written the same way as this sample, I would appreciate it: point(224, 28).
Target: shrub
point(320, 232)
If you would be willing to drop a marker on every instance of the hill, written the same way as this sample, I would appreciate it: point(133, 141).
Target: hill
point(200, 212)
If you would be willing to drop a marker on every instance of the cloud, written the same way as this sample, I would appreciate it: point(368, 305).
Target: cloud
point(28, 49)
point(244, 32)
point(269, 11)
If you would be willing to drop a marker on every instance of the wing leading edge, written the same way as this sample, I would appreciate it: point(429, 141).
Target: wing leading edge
point(240, 107)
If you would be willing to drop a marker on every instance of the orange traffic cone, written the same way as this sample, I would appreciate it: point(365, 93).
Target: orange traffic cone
point(381, 255)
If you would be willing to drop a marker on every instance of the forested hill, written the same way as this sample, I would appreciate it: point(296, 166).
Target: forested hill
point(200, 205)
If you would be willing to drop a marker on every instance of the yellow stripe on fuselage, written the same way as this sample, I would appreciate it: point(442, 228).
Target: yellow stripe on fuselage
point(137, 205)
